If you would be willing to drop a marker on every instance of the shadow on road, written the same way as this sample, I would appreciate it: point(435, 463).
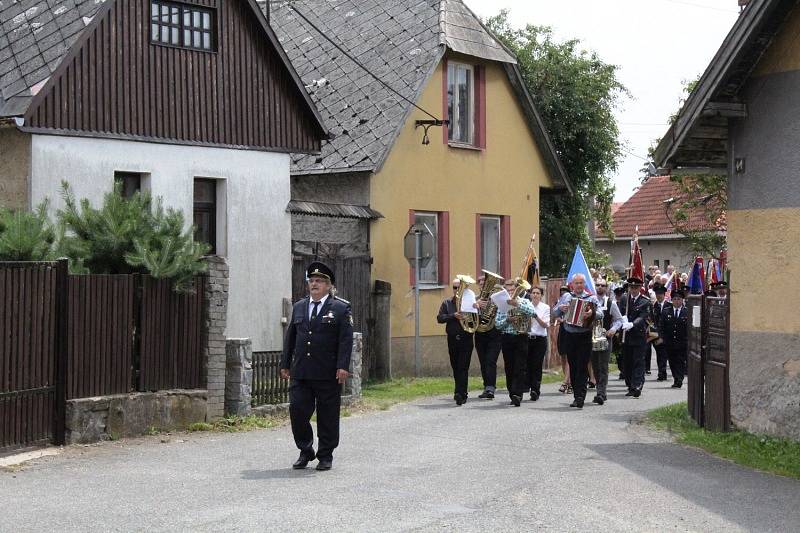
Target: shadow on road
point(755, 500)
point(279, 473)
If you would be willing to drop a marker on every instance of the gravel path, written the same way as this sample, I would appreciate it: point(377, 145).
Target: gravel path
point(424, 466)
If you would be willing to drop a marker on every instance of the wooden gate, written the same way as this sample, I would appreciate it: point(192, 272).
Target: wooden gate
point(352, 265)
point(708, 370)
point(33, 298)
point(694, 363)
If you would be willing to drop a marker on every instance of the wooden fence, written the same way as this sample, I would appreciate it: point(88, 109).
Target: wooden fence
point(64, 337)
point(268, 387)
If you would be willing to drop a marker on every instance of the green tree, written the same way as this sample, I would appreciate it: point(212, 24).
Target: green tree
point(129, 235)
point(576, 94)
point(26, 235)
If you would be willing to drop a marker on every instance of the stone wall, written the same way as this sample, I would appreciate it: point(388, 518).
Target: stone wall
point(352, 188)
point(238, 377)
point(336, 230)
point(15, 164)
point(130, 415)
point(215, 318)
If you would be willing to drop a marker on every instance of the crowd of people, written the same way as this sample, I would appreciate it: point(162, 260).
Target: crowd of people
point(628, 320)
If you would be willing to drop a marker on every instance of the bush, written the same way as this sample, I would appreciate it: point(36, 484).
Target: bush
point(26, 235)
point(129, 235)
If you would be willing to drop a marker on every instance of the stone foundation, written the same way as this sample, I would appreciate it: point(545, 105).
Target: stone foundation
point(131, 415)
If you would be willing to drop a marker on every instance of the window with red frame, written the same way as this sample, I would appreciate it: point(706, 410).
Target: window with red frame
point(437, 271)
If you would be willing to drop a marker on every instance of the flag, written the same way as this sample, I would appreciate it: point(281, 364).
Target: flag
point(579, 266)
point(723, 265)
point(670, 284)
point(695, 282)
point(637, 263)
point(713, 273)
point(530, 266)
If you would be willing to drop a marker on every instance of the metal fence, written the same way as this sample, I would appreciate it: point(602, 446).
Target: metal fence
point(268, 387)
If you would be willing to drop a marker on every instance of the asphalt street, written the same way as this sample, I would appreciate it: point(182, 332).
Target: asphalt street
point(424, 466)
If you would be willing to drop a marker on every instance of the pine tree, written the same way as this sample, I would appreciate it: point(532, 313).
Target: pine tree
point(25, 235)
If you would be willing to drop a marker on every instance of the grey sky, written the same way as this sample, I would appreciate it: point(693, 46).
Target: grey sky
point(656, 43)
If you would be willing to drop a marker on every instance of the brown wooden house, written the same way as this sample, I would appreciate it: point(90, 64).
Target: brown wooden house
point(194, 101)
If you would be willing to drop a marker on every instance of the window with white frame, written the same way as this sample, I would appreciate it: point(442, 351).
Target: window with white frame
point(430, 273)
point(461, 103)
point(490, 243)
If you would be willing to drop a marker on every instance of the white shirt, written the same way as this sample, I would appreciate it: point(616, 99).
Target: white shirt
point(319, 307)
point(543, 312)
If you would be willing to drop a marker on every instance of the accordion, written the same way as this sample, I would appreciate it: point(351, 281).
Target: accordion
point(575, 315)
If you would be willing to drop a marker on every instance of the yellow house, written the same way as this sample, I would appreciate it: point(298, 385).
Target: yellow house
point(476, 182)
point(741, 121)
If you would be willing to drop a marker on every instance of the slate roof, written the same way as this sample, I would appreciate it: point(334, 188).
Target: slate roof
point(646, 210)
point(401, 42)
point(332, 210)
point(35, 35)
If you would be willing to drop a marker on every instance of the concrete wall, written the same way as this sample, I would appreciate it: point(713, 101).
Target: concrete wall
point(763, 225)
point(435, 358)
point(253, 193)
point(15, 162)
point(674, 250)
point(503, 179)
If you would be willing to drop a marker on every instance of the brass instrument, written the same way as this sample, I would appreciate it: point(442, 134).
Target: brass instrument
point(599, 339)
point(487, 315)
point(519, 320)
point(469, 321)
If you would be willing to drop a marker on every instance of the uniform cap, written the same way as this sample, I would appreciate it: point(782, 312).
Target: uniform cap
point(317, 268)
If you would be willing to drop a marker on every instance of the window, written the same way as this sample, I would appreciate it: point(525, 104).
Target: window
point(131, 182)
point(461, 103)
point(666, 263)
point(205, 212)
point(655, 262)
point(489, 244)
point(430, 272)
point(183, 25)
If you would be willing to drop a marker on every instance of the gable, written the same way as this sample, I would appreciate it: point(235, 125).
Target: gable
point(116, 83)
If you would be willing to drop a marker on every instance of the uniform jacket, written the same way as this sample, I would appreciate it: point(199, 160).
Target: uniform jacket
point(655, 314)
point(447, 316)
point(674, 330)
point(637, 311)
point(315, 350)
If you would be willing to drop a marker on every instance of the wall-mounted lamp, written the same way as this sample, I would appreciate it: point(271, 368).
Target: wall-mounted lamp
point(426, 124)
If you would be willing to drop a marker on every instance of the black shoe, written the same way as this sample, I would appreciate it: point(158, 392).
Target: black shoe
point(577, 403)
point(534, 396)
point(486, 395)
point(325, 464)
point(677, 385)
point(592, 385)
point(630, 392)
point(600, 401)
point(637, 393)
point(662, 378)
point(516, 400)
point(460, 399)
point(303, 461)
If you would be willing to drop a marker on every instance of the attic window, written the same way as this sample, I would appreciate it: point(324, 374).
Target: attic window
point(461, 103)
point(183, 25)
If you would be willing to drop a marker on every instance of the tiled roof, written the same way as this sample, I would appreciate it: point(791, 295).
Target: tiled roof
point(400, 41)
point(35, 35)
point(646, 209)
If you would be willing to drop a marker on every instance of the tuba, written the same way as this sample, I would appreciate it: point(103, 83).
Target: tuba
point(470, 320)
point(487, 315)
point(519, 320)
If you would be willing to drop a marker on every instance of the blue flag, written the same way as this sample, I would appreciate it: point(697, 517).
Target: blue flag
point(695, 281)
point(579, 266)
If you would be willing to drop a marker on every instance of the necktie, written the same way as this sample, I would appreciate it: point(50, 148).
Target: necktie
point(677, 311)
point(314, 311)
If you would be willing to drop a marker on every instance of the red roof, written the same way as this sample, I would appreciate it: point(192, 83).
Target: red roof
point(646, 209)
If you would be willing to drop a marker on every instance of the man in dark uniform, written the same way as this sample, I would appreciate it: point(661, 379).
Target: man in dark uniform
point(616, 344)
point(655, 317)
point(721, 288)
point(636, 308)
point(459, 344)
point(316, 357)
point(674, 326)
point(487, 344)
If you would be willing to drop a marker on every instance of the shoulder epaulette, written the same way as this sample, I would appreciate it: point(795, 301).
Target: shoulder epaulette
point(341, 300)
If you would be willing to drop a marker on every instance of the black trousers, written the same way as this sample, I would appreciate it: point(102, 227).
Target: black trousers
point(488, 346)
point(677, 362)
point(460, 348)
point(600, 366)
point(648, 359)
point(306, 395)
point(634, 356)
point(579, 353)
point(661, 359)
point(537, 348)
point(515, 354)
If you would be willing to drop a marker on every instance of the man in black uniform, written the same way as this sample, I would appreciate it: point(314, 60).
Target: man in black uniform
point(316, 357)
point(636, 308)
point(655, 317)
point(616, 344)
point(459, 344)
point(674, 326)
point(487, 344)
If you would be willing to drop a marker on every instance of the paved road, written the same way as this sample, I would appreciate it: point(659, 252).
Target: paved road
point(425, 466)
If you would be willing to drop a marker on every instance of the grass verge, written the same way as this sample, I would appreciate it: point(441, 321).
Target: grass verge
point(235, 424)
point(382, 395)
point(762, 452)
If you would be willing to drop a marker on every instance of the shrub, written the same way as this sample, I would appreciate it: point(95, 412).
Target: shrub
point(26, 235)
